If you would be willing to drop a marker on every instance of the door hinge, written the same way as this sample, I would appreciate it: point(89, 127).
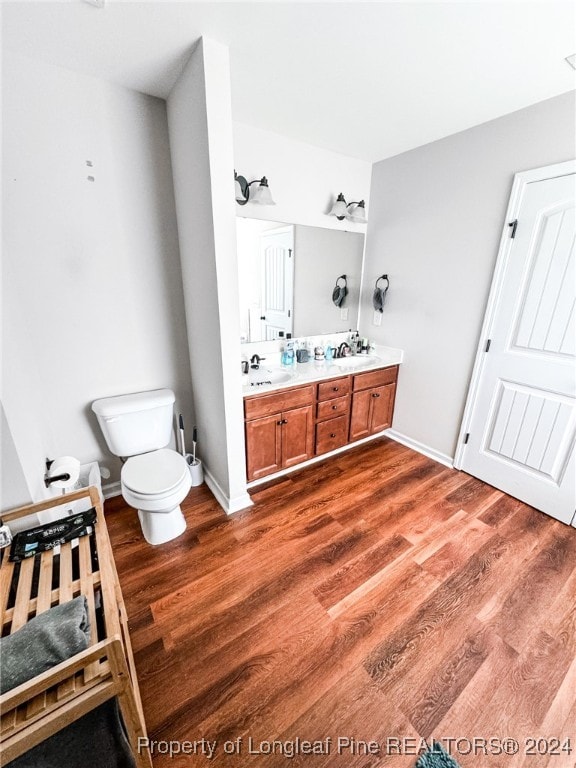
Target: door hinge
point(289, 313)
point(289, 253)
point(466, 437)
point(487, 347)
point(513, 225)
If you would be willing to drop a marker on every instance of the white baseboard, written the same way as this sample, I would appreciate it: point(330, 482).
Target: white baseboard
point(229, 505)
point(112, 489)
point(432, 453)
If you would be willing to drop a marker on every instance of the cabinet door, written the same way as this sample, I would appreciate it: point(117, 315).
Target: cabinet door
point(361, 413)
point(297, 435)
point(382, 407)
point(263, 446)
point(372, 411)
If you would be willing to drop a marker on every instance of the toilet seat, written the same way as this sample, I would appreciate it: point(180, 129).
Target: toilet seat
point(155, 474)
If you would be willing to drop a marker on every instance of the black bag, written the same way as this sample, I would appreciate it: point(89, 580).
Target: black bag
point(44, 537)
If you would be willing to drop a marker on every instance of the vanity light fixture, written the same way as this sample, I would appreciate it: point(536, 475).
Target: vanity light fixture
point(340, 209)
point(261, 194)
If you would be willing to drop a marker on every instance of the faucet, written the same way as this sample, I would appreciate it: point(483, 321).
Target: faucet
point(255, 361)
point(343, 350)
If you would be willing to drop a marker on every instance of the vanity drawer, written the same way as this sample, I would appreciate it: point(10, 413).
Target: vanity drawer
point(331, 434)
point(334, 388)
point(275, 402)
point(375, 378)
point(328, 409)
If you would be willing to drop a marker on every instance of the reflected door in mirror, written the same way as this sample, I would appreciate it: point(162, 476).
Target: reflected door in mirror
point(277, 269)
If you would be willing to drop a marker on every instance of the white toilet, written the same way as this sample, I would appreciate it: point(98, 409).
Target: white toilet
point(154, 479)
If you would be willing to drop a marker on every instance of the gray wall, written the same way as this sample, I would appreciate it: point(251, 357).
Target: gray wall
point(13, 489)
point(436, 217)
point(92, 289)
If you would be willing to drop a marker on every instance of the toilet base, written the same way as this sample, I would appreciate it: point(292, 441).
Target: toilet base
point(160, 527)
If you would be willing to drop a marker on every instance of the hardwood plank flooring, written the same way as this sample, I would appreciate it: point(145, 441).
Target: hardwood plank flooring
point(375, 597)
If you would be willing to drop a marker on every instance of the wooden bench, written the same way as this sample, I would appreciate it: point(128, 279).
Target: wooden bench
point(49, 702)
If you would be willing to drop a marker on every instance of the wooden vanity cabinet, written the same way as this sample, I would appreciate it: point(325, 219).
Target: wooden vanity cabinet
point(279, 430)
point(288, 427)
point(373, 398)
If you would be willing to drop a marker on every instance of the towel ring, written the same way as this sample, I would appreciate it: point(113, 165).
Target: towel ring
point(340, 292)
point(379, 295)
point(383, 277)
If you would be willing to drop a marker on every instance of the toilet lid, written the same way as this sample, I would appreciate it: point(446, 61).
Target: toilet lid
point(156, 472)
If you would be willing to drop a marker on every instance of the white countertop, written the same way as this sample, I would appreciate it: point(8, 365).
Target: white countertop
point(315, 370)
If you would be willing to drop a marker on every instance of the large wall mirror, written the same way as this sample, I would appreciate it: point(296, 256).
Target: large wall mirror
point(287, 277)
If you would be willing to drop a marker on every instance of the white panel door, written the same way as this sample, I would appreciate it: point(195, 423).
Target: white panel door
point(277, 260)
point(522, 425)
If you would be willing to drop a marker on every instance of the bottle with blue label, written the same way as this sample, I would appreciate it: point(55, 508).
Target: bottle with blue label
point(288, 354)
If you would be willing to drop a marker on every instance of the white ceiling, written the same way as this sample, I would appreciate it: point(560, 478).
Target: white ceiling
point(368, 80)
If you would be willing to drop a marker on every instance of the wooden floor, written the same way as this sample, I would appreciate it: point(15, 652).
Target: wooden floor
point(375, 596)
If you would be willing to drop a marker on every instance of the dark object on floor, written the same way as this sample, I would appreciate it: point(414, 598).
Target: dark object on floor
point(96, 740)
point(436, 757)
point(44, 537)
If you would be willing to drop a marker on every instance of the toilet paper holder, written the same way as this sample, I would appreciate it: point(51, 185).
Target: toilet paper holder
point(49, 479)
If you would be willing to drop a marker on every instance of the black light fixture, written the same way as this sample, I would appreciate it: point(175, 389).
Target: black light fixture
point(261, 194)
point(356, 214)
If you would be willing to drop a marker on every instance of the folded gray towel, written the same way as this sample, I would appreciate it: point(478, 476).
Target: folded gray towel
point(340, 291)
point(378, 299)
point(339, 294)
point(379, 295)
point(42, 643)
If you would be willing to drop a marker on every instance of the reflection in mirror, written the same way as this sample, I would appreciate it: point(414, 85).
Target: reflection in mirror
point(287, 277)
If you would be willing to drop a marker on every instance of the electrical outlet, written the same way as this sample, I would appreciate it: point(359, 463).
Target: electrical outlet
point(377, 320)
point(344, 313)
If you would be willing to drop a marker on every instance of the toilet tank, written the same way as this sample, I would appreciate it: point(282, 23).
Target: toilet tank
point(138, 423)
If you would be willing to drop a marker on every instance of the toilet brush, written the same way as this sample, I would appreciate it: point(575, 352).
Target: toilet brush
point(182, 443)
point(196, 472)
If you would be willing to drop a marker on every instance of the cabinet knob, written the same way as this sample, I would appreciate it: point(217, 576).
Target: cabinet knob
point(279, 422)
point(335, 389)
point(375, 394)
point(334, 407)
point(333, 434)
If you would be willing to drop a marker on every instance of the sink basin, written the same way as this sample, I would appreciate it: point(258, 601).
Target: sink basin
point(262, 376)
point(355, 362)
